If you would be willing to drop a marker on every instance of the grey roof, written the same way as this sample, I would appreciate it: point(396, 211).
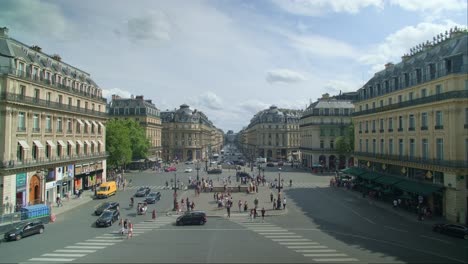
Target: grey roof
point(331, 103)
point(131, 103)
point(186, 115)
point(276, 115)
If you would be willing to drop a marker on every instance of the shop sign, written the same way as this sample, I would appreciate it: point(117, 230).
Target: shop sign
point(50, 176)
point(58, 173)
point(71, 171)
point(59, 183)
point(20, 182)
point(78, 170)
point(51, 185)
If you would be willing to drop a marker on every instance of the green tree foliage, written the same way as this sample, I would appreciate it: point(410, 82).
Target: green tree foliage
point(118, 143)
point(345, 144)
point(139, 143)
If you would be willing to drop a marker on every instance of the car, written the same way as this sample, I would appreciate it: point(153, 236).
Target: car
point(189, 162)
point(215, 171)
point(106, 206)
point(213, 162)
point(280, 163)
point(168, 169)
point(452, 230)
point(191, 218)
point(244, 174)
point(188, 170)
point(142, 191)
point(107, 218)
point(24, 230)
point(153, 197)
point(270, 164)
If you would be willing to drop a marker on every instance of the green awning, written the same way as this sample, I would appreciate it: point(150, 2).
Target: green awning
point(387, 191)
point(377, 188)
point(417, 187)
point(370, 185)
point(355, 171)
point(388, 180)
point(370, 176)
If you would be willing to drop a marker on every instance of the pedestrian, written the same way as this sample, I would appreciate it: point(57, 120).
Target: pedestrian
point(274, 204)
point(263, 214)
point(130, 229)
point(395, 203)
point(245, 206)
point(240, 205)
point(284, 203)
point(154, 215)
point(251, 215)
point(228, 208)
point(271, 197)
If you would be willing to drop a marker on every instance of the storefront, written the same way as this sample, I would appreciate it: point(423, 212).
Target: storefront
point(51, 187)
point(21, 189)
point(88, 175)
point(64, 177)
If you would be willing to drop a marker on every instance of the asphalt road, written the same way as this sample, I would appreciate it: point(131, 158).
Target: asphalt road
point(322, 225)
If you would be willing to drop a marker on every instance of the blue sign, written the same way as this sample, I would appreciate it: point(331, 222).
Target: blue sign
point(20, 182)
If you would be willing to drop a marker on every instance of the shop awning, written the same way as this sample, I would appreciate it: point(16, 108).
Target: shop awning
point(51, 143)
point(79, 121)
point(355, 171)
point(418, 187)
point(80, 143)
point(94, 123)
point(370, 176)
point(87, 122)
point(87, 142)
point(100, 142)
point(101, 124)
point(71, 143)
point(94, 142)
point(24, 144)
point(61, 143)
point(388, 180)
point(38, 144)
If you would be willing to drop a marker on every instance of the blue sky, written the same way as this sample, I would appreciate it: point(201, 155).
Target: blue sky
point(227, 58)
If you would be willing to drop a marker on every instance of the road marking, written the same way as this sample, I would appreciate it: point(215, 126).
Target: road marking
point(63, 255)
point(287, 236)
point(52, 259)
point(270, 230)
point(143, 227)
point(440, 240)
point(289, 239)
point(304, 247)
point(138, 232)
point(85, 247)
point(314, 250)
point(285, 233)
point(325, 255)
point(109, 237)
point(298, 243)
point(103, 241)
point(75, 251)
point(335, 259)
point(396, 229)
point(94, 244)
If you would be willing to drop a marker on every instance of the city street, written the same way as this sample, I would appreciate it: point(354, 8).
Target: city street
point(322, 224)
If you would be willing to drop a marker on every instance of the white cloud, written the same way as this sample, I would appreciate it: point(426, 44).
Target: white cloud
point(252, 106)
point(155, 25)
point(397, 44)
point(208, 100)
point(284, 75)
point(320, 7)
point(334, 87)
point(316, 45)
point(431, 5)
point(107, 93)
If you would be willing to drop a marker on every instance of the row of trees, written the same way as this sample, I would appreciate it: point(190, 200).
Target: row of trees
point(125, 141)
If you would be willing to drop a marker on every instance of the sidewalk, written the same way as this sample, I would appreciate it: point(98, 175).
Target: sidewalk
point(72, 203)
point(206, 202)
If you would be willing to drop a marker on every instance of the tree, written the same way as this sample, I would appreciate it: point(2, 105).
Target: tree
point(345, 144)
point(139, 142)
point(118, 143)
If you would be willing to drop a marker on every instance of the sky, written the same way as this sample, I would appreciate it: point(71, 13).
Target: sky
point(230, 58)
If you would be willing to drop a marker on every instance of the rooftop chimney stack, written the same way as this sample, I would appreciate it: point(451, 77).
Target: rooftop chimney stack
point(115, 97)
point(36, 48)
point(388, 65)
point(4, 32)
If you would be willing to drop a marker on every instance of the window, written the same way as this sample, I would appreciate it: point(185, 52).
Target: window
point(373, 105)
point(438, 89)
point(69, 150)
point(411, 148)
point(439, 124)
point(60, 99)
point(48, 124)
point(47, 151)
point(400, 147)
point(21, 121)
point(423, 93)
point(440, 149)
point(400, 98)
point(390, 147)
point(367, 126)
point(410, 97)
point(374, 147)
point(390, 101)
point(390, 124)
point(400, 123)
point(20, 152)
point(70, 102)
point(373, 126)
point(360, 146)
point(382, 146)
point(332, 144)
point(425, 149)
point(332, 132)
point(69, 126)
point(59, 150)
point(360, 124)
point(367, 145)
point(423, 121)
point(466, 117)
point(48, 97)
point(381, 103)
point(322, 132)
point(322, 144)
point(36, 95)
point(78, 104)
point(36, 127)
point(22, 91)
point(59, 124)
point(381, 125)
point(411, 122)
point(34, 152)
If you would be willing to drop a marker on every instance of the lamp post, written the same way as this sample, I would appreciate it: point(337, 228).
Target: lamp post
point(279, 181)
point(197, 167)
point(175, 192)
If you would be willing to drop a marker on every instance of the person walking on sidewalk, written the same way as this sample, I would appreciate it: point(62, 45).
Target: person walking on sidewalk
point(263, 214)
point(58, 201)
point(228, 209)
point(130, 229)
point(274, 204)
point(271, 197)
point(240, 205)
point(284, 203)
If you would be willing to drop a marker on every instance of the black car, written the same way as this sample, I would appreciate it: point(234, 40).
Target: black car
point(452, 230)
point(270, 164)
point(106, 206)
point(24, 230)
point(244, 174)
point(107, 218)
point(215, 171)
point(153, 197)
point(192, 218)
point(142, 191)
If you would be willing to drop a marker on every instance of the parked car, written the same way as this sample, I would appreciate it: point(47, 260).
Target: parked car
point(191, 218)
point(168, 169)
point(142, 191)
point(270, 164)
point(189, 162)
point(452, 230)
point(188, 170)
point(153, 197)
point(24, 230)
point(107, 218)
point(215, 171)
point(213, 162)
point(106, 206)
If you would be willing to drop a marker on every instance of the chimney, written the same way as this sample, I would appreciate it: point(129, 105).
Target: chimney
point(405, 57)
point(388, 65)
point(36, 48)
point(139, 97)
point(4, 32)
point(115, 97)
point(149, 101)
point(56, 57)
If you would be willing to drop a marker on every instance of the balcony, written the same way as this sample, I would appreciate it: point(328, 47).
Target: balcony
point(390, 130)
point(438, 127)
point(360, 131)
point(381, 130)
point(319, 149)
point(324, 123)
point(36, 130)
point(415, 102)
point(21, 129)
point(373, 130)
point(5, 70)
point(420, 160)
point(367, 131)
point(410, 128)
point(21, 99)
point(15, 164)
point(400, 129)
point(424, 128)
point(48, 130)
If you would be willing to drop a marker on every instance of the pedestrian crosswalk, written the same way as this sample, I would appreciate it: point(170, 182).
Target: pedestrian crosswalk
point(297, 243)
point(81, 249)
point(163, 187)
point(152, 187)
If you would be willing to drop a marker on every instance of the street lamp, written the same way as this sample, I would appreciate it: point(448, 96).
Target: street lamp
point(175, 192)
point(197, 167)
point(279, 181)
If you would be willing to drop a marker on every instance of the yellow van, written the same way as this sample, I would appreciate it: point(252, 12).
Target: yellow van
point(106, 189)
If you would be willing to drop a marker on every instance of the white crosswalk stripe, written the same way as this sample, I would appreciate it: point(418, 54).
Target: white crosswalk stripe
point(152, 187)
point(52, 259)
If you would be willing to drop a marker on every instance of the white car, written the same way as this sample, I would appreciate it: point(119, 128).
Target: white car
point(189, 162)
point(188, 170)
point(213, 162)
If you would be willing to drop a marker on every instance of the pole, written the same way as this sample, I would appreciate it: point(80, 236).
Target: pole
point(175, 192)
point(198, 169)
point(279, 182)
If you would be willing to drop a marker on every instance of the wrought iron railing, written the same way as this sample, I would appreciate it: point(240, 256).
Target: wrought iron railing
point(421, 160)
point(11, 164)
